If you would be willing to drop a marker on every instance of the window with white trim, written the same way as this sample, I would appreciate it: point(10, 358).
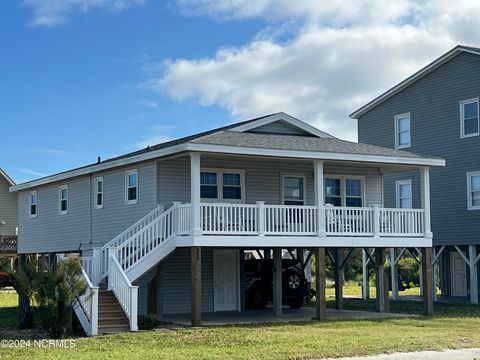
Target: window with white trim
point(131, 187)
point(403, 191)
point(344, 190)
point(402, 131)
point(222, 184)
point(293, 190)
point(469, 118)
point(63, 199)
point(473, 189)
point(33, 203)
point(98, 183)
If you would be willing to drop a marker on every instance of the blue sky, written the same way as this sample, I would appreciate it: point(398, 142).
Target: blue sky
point(88, 78)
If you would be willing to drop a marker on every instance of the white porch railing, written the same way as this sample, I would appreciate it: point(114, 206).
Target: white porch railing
point(402, 222)
point(125, 292)
point(290, 220)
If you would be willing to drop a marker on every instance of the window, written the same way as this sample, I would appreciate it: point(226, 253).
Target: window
point(293, 190)
point(131, 187)
point(333, 195)
point(402, 131)
point(473, 188)
point(404, 194)
point(63, 197)
point(98, 193)
point(219, 184)
point(469, 123)
point(33, 204)
point(353, 192)
point(232, 188)
point(208, 185)
point(344, 191)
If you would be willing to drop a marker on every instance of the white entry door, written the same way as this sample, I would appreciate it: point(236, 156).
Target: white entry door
point(459, 274)
point(225, 275)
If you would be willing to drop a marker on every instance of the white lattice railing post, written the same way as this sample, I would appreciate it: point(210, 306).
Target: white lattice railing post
point(94, 312)
point(133, 308)
point(376, 221)
point(96, 265)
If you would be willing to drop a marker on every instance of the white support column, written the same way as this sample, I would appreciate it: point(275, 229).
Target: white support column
point(425, 191)
point(112, 252)
point(394, 273)
point(365, 278)
point(195, 193)
point(472, 257)
point(96, 266)
point(261, 218)
point(319, 197)
point(376, 221)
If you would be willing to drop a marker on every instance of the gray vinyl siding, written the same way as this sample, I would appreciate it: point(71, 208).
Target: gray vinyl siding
point(84, 226)
point(50, 231)
point(115, 216)
point(8, 208)
point(177, 282)
point(142, 284)
point(262, 177)
point(280, 127)
point(434, 106)
point(390, 195)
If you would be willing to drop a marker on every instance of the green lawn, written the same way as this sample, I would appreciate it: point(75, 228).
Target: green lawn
point(353, 289)
point(454, 326)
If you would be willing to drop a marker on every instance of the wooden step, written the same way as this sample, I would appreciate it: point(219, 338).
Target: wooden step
point(111, 317)
point(113, 321)
point(112, 329)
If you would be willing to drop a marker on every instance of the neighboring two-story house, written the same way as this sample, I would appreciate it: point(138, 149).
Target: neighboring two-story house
point(436, 111)
point(166, 227)
point(8, 216)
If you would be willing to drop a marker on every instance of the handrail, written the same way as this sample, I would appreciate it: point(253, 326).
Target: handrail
point(125, 292)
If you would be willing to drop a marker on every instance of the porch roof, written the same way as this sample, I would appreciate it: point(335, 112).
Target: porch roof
point(300, 143)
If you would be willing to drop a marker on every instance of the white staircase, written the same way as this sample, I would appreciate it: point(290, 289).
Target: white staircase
point(127, 257)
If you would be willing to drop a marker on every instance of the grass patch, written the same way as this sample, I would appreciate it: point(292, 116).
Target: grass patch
point(453, 326)
point(8, 309)
point(353, 289)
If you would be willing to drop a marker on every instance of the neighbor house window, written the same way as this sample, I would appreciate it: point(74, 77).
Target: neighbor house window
point(131, 187)
point(293, 190)
point(473, 188)
point(344, 191)
point(99, 193)
point(222, 184)
point(469, 123)
point(63, 199)
point(33, 204)
point(404, 194)
point(402, 131)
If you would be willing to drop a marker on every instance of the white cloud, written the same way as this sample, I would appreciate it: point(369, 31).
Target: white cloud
point(342, 54)
point(54, 12)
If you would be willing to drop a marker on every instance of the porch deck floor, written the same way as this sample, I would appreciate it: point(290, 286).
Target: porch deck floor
point(266, 315)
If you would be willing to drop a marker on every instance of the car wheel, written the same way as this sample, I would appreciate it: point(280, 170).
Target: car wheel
point(293, 281)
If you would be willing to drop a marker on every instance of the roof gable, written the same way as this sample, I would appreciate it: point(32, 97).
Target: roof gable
point(285, 125)
point(413, 78)
point(6, 177)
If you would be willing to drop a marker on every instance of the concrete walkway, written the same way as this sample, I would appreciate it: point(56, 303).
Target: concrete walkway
point(266, 315)
point(464, 354)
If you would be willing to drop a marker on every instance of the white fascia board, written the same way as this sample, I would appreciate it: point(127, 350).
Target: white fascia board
point(228, 150)
point(100, 167)
point(411, 79)
point(285, 117)
point(315, 155)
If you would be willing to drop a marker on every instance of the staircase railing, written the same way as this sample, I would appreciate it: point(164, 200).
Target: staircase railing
point(150, 238)
point(86, 306)
point(125, 292)
point(125, 235)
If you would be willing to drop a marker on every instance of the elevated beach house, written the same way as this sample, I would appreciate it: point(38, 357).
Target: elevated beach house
point(164, 229)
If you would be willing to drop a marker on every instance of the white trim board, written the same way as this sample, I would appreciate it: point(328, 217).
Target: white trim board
point(313, 155)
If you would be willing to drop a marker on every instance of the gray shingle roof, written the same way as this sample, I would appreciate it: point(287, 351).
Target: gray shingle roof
point(300, 143)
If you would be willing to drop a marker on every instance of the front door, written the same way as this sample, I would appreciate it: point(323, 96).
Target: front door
point(225, 279)
point(459, 274)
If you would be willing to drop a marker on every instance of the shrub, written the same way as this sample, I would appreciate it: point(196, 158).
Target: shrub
point(147, 322)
